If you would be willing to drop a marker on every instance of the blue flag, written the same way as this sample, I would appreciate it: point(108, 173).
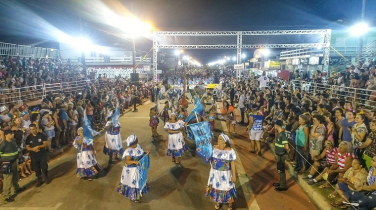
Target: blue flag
point(88, 131)
point(116, 115)
point(143, 168)
point(199, 110)
point(202, 135)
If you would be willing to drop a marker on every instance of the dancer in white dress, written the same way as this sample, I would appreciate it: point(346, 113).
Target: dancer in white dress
point(129, 182)
point(176, 144)
point(113, 146)
point(87, 165)
point(222, 176)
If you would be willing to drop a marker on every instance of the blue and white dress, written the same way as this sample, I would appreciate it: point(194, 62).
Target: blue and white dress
point(129, 181)
point(220, 187)
point(87, 165)
point(113, 144)
point(176, 143)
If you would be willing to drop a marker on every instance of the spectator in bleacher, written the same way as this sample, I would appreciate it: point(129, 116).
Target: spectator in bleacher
point(346, 125)
point(354, 177)
point(365, 194)
point(343, 162)
point(49, 129)
point(64, 127)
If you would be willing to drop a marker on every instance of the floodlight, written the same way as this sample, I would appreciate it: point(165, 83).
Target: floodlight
point(234, 58)
point(266, 52)
point(359, 29)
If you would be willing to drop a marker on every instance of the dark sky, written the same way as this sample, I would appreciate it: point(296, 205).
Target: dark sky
point(22, 20)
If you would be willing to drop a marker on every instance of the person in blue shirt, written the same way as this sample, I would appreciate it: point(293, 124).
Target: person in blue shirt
point(255, 128)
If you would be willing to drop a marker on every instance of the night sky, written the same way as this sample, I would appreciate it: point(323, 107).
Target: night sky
point(28, 21)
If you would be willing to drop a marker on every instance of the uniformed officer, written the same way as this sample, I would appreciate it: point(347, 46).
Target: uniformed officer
point(36, 143)
point(9, 166)
point(281, 151)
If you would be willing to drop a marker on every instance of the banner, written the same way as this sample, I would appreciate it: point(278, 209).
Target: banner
point(202, 135)
point(143, 168)
point(199, 110)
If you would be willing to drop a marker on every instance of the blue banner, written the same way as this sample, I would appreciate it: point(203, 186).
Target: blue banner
point(116, 115)
point(202, 135)
point(199, 110)
point(143, 170)
point(88, 131)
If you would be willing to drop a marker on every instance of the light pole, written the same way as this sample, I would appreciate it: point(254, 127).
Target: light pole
point(134, 55)
point(361, 37)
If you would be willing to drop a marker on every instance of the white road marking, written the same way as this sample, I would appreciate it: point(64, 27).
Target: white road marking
point(243, 179)
point(32, 208)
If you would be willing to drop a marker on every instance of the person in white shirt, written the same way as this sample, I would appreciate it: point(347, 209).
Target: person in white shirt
point(241, 105)
point(263, 80)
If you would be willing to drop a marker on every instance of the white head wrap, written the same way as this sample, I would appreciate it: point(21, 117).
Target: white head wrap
point(131, 139)
point(172, 113)
point(225, 137)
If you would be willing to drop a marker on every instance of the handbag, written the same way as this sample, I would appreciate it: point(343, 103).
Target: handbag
point(6, 167)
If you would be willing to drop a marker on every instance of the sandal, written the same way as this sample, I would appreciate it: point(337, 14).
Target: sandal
point(136, 201)
point(218, 206)
point(345, 206)
point(229, 208)
point(331, 196)
point(334, 204)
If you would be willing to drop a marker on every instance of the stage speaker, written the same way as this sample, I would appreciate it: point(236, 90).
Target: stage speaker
point(135, 77)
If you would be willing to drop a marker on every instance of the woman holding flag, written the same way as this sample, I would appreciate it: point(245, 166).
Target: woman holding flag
point(176, 144)
point(113, 146)
point(222, 176)
point(87, 165)
point(129, 185)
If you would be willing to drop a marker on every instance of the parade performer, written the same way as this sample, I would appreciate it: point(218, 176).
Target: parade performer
point(87, 165)
point(222, 176)
point(165, 112)
point(113, 146)
point(176, 144)
point(153, 122)
point(129, 182)
point(182, 114)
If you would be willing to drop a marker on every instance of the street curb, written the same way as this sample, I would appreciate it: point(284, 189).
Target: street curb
point(320, 201)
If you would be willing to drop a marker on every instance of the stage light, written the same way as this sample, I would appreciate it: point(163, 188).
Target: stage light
point(359, 29)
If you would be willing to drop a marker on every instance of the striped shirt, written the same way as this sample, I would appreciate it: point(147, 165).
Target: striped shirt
point(342, 158)
point(330, 155)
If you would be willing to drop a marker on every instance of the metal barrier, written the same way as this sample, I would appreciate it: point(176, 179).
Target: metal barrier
point(37, 92)
point(27, 51)
point(354, 95)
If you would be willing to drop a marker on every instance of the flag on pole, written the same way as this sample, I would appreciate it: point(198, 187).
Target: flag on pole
point(88, 131)
point(202, 135)
point(199, 110)
point(143, 168)
point(116, 115)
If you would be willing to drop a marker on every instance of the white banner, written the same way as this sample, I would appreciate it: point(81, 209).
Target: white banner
point(239, 66)
point(146, 68)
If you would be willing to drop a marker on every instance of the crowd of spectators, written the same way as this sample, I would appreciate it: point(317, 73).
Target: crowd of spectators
point(29, 74)
point(333, 139)
point(60, 114)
